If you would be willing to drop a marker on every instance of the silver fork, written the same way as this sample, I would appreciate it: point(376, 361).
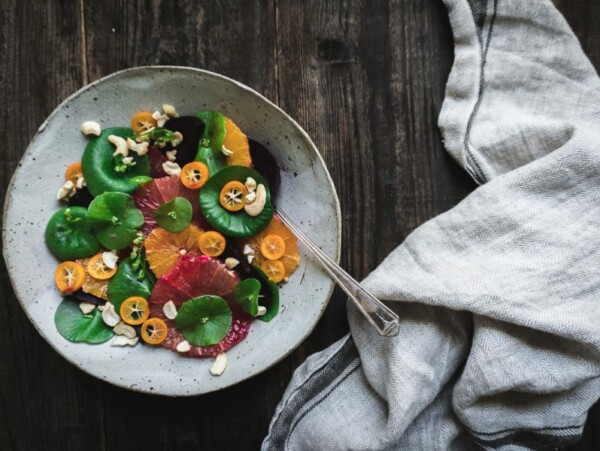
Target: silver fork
point(378, 314)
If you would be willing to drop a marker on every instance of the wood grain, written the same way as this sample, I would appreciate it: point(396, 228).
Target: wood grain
point(365, 79)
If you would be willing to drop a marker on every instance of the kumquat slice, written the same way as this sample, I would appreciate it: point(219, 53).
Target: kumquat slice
point(69, 277)
point(194, 175)
point(274, 270)
point(233, 196)
point(73, 172)
point(212, 243)
point(98, 270)
point(142, 122)
point(272, 247)
point(134, 310)
point(154, 331)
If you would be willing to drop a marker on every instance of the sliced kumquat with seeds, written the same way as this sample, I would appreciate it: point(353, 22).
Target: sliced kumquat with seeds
point(134, 310)
point(212, 243)
point(233, 196)
point(272, 247)
point(194, 175)
point(142, 122)
point(69, 277)
point(154, 331)
point(73, 172)
point(274, 270)
point(98, 270)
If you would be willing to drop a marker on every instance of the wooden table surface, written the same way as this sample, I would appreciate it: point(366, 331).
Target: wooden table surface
point(365, 80)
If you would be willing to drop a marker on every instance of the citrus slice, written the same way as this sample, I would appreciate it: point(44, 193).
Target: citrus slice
point(134, 310)
point(237, 142)
point(290, 257)
point(212, 243)
point(69, 277)
point(142, 122)
point(272, 247)
point(154, 331)
point(274, 270)
point(233, 196)
point(194, 175)
point(73, 172)
point(98, 270)
point(98, 288)
point(163, 248)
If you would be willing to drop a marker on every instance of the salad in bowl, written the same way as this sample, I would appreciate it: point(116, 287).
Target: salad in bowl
point(165, 236)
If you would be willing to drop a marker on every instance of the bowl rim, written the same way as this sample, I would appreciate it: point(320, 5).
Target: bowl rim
point(8, 200)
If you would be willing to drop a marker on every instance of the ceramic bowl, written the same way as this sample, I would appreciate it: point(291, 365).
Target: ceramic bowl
point(307, 194)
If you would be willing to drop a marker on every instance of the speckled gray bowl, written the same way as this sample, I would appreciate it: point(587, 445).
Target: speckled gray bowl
point(307, 194)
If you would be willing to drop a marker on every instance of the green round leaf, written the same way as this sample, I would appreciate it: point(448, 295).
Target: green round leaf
point(245, 294)
point(126, 283)
point(72, 324)
point(204, 320)
point(115, 219)
point(239, 223)
point(214, 130)
point(69, 234)
point(174, 215)
point(98, 165)
point(269, 295)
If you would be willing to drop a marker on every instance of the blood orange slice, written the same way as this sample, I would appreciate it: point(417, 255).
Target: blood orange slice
point(290, 257)
point(163, 248)
point(153, 194)
point(193, 276)
point(237, 142)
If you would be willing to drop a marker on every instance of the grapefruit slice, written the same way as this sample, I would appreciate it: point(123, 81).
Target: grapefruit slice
point(98, 288)
point(237, 142)
point(290, 257)
point(163, 248)
point(153, 194)
point(193, 276)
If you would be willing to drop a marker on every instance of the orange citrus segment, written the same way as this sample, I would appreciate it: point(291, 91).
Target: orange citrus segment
point(69, 277)
point(290, 257)
point(98, 288)
point(233, 196)
point(154, 331)
point(73, 172)
point(194, 175)
point(274, 270)
point(237, 142)
point(272, 247)
point(142, 122)
point(98, 270)
point(134, 310)
point(212, 243)
point(164, 248)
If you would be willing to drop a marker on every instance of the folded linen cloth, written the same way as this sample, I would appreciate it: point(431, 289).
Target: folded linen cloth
point(499, 298)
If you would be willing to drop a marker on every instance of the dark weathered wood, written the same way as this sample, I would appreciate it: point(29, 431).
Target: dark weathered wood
point(365, 79)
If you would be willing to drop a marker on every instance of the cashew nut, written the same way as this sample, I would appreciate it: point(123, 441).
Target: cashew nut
point(256, 207)
point(110, 316)
point(169, 110)
point(250, 184)
point(177, 138)
point(110, 259)
point(120, 144)
point(219, 365)
point(66, 191)
point(248, 250)
point(80, 183)
point(124, 329)
point(122, 340)
point(184, 346)
point(91, 128)
point(170, 310)
point(171, 168)
point(250, 197)
point(261, 310)
point(231, 262)
point(127, 160)
point(171, 154)
point(86, 307)
point(226, 151)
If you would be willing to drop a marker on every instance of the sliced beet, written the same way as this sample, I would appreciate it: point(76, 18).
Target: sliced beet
point(191, 128)
point(87, 297)
point(265, 163)
point(156, 159)
point(82, 198)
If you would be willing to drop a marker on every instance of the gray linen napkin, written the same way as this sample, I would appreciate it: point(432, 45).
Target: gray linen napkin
point(499, 298)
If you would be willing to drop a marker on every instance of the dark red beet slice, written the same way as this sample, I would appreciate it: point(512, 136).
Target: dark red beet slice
point(194, 276)
point(265, 163)
point(82, 198)
point(156, 159)
point(191, 128)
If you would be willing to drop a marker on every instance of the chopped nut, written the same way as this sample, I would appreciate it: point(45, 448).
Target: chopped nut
point(110, 316)
point(170, 310)
point(250, 197)
point(250, 258)
point(110, 259)
point(256, 207)
point(120, 144)
point(86, 307)
point(131, 144)
point(169, 110)
point(250, 184)
point(124, 329)
point(261, 310)
point(142, 148)
point(91, 128)
point(80, 183)
point(171, 154)
point(226, 151)
point(127, 160)
point(231, 262)
point(66, 191)
point(248, 250)
point(171, 168)
point(156, 115)
point(177, 138)
point(219, 365)
point(184, 346)
point(122, 340)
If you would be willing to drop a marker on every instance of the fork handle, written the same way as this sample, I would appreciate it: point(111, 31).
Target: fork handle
point(378, 314)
